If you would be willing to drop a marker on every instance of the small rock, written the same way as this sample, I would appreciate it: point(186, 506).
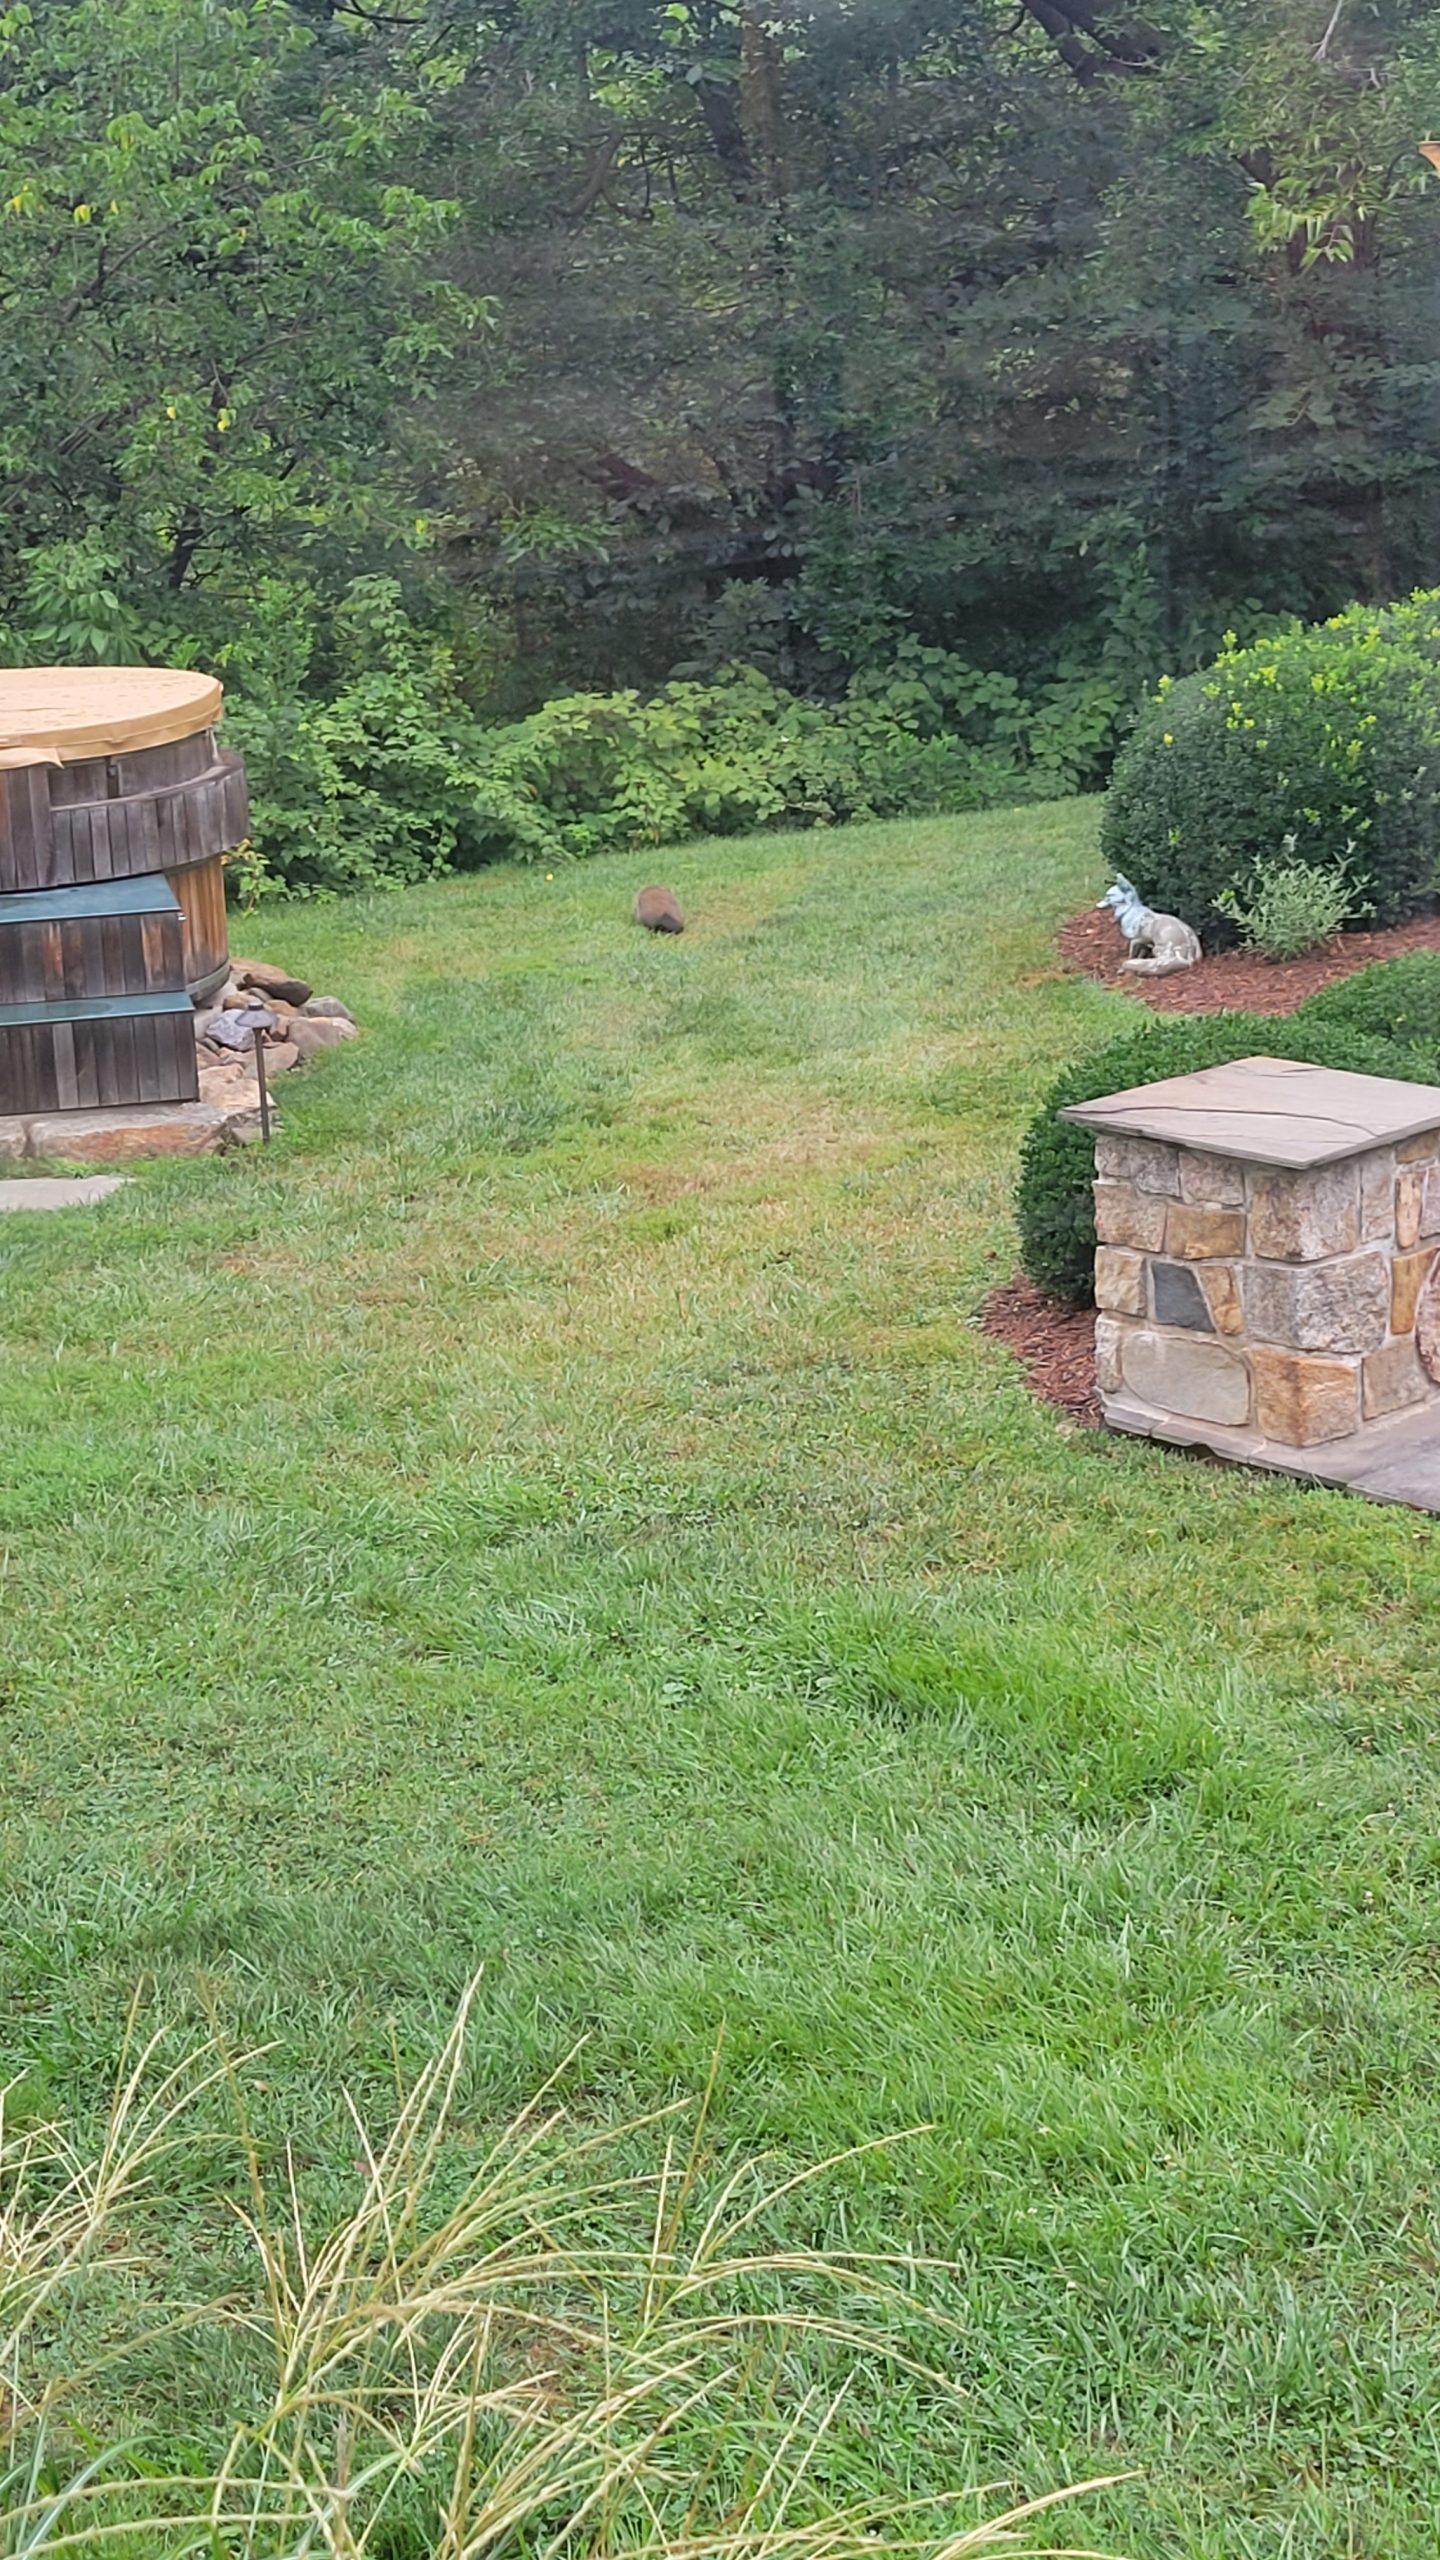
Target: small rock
point(208, 1013)
point(280, 1058)
point(327, 1009)
point(271, 981)
point(309, 1036)
point(228, 1033)
point(227, 1088)
point(232, 999)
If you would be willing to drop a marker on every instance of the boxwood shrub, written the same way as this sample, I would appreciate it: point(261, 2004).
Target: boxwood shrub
point(1391, 1000)
point(1319, 744)
point(1054, 1204)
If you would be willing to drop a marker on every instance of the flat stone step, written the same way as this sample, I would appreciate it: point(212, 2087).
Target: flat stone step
point(127, 1135)
point(1394, 1460)
point(53, 1191)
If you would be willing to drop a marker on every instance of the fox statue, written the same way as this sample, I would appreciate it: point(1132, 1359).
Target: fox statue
point(1158, 944)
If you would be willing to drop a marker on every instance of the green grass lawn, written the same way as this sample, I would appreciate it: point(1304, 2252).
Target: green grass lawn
point(557, 1512)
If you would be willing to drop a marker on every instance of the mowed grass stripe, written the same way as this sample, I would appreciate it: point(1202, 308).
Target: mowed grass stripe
point(558, 1513)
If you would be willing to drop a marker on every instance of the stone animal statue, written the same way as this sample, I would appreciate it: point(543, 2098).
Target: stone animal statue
point(659, 911)
point(1158, 944)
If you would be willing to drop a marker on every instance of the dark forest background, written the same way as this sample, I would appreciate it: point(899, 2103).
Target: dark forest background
point(1010, 350)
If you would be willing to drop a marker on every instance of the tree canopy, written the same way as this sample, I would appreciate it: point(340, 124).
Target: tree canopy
point(644, 335)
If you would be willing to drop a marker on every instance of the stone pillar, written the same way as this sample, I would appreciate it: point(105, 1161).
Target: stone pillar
point(1256, 1293)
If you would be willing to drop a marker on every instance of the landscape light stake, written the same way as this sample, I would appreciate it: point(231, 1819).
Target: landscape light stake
point(259, 1039)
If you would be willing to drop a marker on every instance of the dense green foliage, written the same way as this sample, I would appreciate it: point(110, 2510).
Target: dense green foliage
point(1317, 745)
point(1391, 1000)
point(224, 310)
point(1060, 337)
point(1054, 1203)
point(388, 775)
point(635, 340)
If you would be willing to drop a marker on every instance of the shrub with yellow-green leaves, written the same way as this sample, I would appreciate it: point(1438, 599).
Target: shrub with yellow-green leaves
point(1319, 744)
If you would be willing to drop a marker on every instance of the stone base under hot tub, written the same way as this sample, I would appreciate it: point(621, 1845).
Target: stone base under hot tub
point(1396, 1460)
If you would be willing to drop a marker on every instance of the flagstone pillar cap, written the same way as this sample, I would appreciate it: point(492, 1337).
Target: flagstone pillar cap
point(1273, 1111)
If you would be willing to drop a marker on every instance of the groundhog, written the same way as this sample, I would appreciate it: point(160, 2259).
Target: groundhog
point(659, 911)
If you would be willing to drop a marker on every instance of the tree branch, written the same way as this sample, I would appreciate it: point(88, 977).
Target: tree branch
point(1336, 14)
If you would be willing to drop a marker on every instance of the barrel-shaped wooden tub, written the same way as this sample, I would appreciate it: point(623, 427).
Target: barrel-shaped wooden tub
point(133, 783)
point(116, 809)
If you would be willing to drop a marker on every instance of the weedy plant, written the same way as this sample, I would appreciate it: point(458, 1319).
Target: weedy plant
point(553, 2354)
point(1292, 906)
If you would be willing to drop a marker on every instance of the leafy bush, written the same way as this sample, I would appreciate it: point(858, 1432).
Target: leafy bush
point(1396, 1000)
point(1054, 1202)
point(1330, 734)
point(366, 764)
point(1289, 909)
point(363, 759)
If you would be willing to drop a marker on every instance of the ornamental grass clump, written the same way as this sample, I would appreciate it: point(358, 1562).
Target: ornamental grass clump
point(524, 2345)
point(1328, 734)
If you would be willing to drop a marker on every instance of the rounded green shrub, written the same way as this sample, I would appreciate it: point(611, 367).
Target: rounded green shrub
point(1054, 1204)
point(1318, 745)
point(1396, 1000)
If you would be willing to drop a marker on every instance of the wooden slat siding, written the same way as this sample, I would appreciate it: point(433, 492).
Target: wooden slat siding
point(142, 1032)
point(148, 769)
point(201, 892)
point(34, 1071)
point(16, 1082)
point(74, 848)
point(156, 1059)
point(32, 803)
point(48, 962)
point(14, 835)
point(17, 963)
point(78, 951)
point(71, 783)
point(157, 831)
point(87, 1067)
point(51, 973)
point(26, 834)
point(186, 1059)
point(165, 830)
point(120, 1068)
point(67, 1092)
point(237, 800)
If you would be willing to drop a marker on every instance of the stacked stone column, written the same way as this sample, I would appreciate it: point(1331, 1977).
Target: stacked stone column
point(1293, 1304)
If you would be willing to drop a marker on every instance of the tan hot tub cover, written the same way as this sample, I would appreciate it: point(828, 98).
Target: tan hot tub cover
point(65, 715)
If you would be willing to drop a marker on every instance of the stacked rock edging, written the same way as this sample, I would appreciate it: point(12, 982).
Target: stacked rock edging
point(301, 1026)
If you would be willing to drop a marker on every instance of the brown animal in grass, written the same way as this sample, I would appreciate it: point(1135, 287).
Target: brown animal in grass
point(659, 911)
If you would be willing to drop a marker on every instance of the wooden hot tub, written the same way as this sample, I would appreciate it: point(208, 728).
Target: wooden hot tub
point(116, 806)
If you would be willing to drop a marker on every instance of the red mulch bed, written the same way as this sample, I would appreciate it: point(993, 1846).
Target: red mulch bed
point(1054, 1343)
point(1237, 981)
